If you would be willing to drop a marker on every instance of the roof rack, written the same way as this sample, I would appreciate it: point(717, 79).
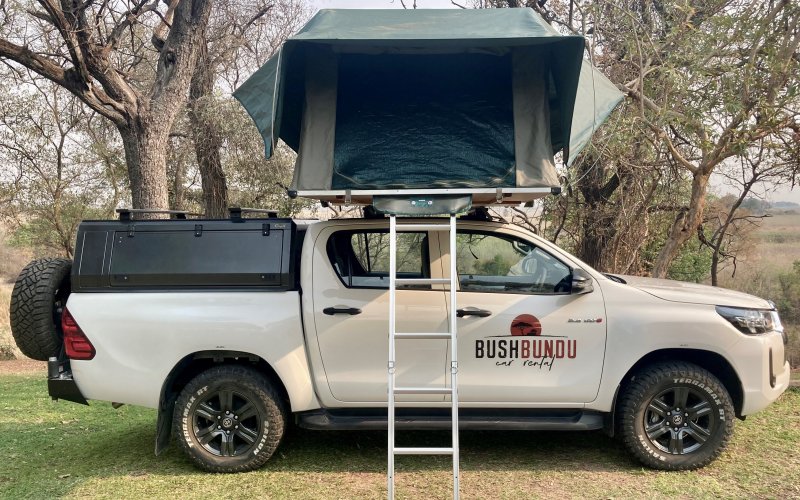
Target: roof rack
point(236, 212)
point(126, 214)
point(480, 196)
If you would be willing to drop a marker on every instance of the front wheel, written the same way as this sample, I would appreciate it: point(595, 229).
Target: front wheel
point(229, 419)
point(675, 416)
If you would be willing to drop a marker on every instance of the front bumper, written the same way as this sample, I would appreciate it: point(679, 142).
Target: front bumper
point(763, 370)
point(60, 384)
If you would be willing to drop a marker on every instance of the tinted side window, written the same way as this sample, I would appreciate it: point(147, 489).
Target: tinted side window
point(500, 263)
point(361, 258)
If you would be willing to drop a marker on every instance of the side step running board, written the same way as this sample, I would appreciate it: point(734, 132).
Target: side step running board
point(511, 420)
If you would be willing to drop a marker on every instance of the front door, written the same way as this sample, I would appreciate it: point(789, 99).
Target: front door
point(538, 343)
point(351, 315)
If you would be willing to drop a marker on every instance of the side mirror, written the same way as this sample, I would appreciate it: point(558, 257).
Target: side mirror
point(581, 282)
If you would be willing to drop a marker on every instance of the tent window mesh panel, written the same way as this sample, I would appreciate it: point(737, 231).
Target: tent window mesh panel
point(453, 115)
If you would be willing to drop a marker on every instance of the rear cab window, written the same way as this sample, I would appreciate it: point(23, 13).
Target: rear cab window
point(361, 257)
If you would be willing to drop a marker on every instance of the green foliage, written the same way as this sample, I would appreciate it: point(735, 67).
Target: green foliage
point(692, 264)
point(788, 300)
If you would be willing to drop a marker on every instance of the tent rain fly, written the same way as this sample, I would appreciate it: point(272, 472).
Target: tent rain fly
point(441, 101)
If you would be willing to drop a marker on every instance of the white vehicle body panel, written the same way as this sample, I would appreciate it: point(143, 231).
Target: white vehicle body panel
point(340, 360)
point(568, 378)
point(351, 369)
point(642, 323)
point(139, 337)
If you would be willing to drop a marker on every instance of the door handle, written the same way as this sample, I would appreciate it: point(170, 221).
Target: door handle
point(352, 311)
point(473, 311)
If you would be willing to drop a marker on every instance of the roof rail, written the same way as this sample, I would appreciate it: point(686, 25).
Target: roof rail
point(236, 212)
point(126, 214)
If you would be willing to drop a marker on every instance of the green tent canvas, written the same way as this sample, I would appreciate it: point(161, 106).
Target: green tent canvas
point(377, 101)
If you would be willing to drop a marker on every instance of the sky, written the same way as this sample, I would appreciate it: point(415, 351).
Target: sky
point(776, 193)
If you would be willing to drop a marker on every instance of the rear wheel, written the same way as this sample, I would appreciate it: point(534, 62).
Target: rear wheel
point(676, 416)
point(40, 294)
point(229, 419)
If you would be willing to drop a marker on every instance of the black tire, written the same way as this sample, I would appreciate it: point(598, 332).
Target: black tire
point(217, 441)
point(675, 416)
point(39, 295)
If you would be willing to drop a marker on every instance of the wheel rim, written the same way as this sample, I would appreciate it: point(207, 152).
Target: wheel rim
point(227, 423)
point(679, 420)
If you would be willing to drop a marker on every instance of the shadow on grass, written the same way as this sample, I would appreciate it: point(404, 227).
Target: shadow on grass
point(365, 451)
point(107, 453)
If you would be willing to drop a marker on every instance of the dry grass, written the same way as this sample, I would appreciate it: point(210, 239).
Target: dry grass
point(8, 349)
point(778, 242)
point(12, 259)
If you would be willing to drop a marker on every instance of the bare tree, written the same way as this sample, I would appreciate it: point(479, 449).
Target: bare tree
point(705, 80)
point(96, 50)
point(709, 81)
point(726, 228)
point(52, 165)
point(241, 36)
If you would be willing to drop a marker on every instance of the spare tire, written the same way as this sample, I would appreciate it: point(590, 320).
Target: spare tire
point(40, 293)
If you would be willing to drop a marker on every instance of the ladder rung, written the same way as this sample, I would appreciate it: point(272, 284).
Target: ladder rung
point(422, 390)
point(405, 335)
point(423, 451)
point(423, 227)
point(421, 281)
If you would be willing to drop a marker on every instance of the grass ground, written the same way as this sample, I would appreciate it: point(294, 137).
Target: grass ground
point(67, 450)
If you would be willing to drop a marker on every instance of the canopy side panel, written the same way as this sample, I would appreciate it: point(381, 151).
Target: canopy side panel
point(565, 67)
point(534, 148)
point(421, 121)
point(257, 95)
point(314, 166)
point(596, 99)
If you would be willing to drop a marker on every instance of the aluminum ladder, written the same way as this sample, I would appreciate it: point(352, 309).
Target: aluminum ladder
point(394, 335)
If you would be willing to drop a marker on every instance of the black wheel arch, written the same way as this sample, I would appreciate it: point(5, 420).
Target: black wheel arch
point(192, 365)
point(714, 362)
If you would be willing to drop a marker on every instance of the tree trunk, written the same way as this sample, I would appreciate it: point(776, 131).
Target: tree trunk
point(597, 232)
point(178, 187)
point(207, 137)
point(715, 267)
point(146, 156)
point(685, 225)
point(597, 225)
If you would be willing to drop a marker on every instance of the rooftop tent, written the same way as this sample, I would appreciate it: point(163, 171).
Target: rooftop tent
point(478, 101)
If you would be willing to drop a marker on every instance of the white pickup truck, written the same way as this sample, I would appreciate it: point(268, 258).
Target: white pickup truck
point(233, 329)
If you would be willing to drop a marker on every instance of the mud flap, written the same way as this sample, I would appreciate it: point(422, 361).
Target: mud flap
point(164, 425)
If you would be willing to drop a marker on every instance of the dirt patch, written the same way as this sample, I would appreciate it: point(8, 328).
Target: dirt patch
point(23, 366)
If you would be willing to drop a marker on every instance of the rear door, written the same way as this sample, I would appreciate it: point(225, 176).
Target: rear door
point(351, 314)
point(524, 338)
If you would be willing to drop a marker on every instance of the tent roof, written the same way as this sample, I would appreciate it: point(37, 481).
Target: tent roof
point(425, 24)
point(273, 95)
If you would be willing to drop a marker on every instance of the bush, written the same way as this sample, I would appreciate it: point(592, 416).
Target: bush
point(692, 264)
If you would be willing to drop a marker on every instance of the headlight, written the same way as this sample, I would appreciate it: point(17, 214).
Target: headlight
point(752, 321)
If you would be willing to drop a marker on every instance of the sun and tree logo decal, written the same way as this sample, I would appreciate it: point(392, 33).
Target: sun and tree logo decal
point(526, 325)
